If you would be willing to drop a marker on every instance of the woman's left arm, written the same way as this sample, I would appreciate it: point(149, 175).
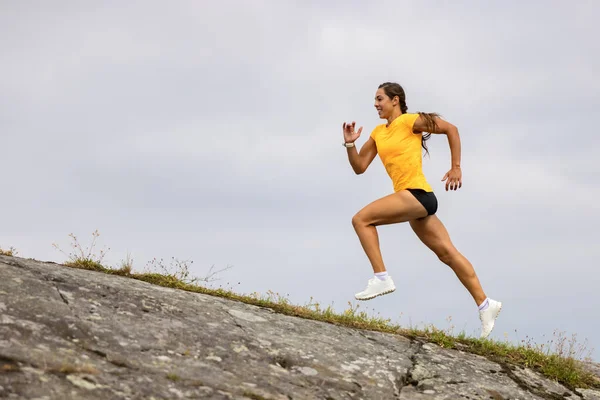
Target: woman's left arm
point(454, 176)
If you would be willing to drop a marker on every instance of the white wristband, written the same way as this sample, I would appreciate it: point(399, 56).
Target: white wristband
point(348, 145)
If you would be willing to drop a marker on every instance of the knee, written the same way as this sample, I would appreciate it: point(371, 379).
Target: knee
point(446, 255)
point(358, 220)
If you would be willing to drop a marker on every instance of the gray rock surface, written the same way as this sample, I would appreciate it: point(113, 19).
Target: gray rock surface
point(75, 334)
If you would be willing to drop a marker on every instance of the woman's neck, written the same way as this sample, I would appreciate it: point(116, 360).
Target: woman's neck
point(394, 115)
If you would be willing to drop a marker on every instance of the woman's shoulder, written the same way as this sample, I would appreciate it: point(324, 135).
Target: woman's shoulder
point(377, 129)
point(409, 116)
point(409, 119)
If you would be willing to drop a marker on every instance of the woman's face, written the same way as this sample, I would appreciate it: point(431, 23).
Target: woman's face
point(383, 104)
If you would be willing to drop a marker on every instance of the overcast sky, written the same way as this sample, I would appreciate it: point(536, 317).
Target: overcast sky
point(211, 131)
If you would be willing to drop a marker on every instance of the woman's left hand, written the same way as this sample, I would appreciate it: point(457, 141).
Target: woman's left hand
point(453, 179)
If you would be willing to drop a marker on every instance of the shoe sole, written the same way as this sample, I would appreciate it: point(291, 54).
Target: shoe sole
point(377, 295)
point(495, 318)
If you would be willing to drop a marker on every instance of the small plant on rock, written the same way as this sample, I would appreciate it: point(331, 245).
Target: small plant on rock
point(180, 271)
point(84, 258)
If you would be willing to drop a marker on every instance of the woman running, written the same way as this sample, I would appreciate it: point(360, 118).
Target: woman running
point(398, 143)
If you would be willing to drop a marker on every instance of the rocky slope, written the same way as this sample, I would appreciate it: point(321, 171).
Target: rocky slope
point(76, 334)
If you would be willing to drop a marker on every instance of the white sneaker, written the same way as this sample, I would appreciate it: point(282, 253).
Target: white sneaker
point(376, 287)
point(488, 317)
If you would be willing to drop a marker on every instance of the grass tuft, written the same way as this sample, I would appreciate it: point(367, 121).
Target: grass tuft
point(173, 377)
point(9, 368)
point(84, 258)
point(11, 252)
point(67, 368)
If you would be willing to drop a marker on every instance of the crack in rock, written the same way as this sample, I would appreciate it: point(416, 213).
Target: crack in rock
point(105, 356)
point(52, 282)
point(12, 263)
point(61, 295)
point(64, 299)
point(236, 323)
point(367, 337)
point(407, 380)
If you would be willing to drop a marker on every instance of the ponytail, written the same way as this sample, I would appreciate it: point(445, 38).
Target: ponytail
point(430, 126)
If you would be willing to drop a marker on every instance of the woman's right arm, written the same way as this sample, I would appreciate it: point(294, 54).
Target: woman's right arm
point(360, 161)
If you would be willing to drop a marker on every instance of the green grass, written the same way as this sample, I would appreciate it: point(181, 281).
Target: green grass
point(559, 359)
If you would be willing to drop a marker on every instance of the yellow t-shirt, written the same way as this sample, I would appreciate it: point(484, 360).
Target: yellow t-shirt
point(400, 152)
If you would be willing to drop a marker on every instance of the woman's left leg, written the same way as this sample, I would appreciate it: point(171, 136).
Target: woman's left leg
point(434, 235)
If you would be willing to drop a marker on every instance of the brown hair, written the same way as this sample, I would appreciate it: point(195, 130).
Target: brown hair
point(392, 90)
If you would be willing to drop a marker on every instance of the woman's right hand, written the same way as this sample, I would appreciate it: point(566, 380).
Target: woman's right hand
point(349, 135)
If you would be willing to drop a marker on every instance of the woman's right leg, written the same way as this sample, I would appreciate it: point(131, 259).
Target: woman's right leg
point(392, 209)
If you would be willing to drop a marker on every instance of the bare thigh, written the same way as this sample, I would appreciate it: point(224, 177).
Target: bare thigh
point(434, 235)
point(397, 207)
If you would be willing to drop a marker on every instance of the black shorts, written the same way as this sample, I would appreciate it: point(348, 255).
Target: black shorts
point(428, 200)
